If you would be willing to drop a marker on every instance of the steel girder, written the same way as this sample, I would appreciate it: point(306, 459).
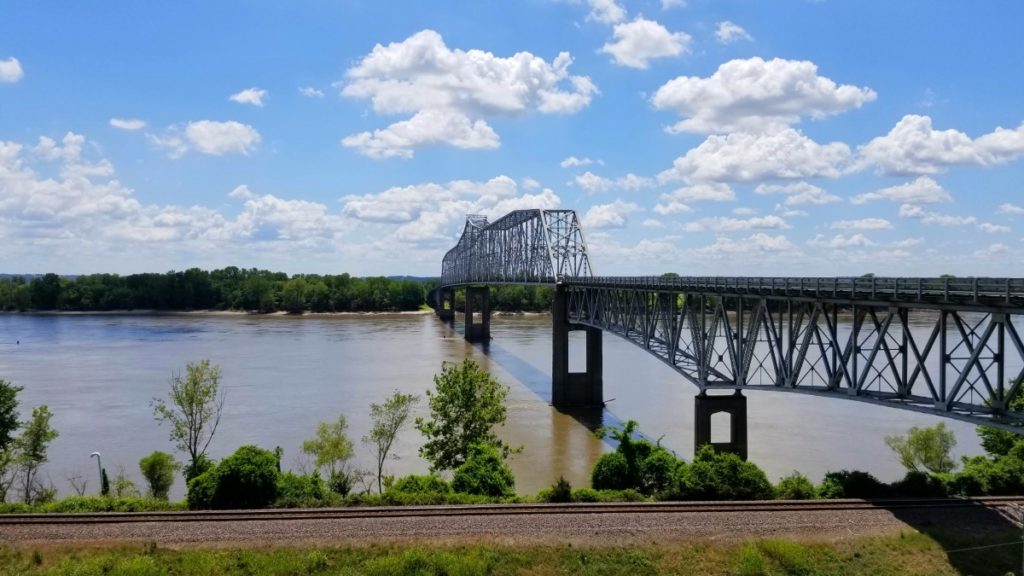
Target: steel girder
point(963, 361)
point(522, 247)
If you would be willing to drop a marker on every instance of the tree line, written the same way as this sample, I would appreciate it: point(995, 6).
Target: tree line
point(228, 288)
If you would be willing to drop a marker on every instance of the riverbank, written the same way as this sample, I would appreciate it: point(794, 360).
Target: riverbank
point(246, 313)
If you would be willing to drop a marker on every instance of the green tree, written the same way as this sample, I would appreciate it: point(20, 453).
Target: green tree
point(192, 411)
point(925, 448)
point(996, 441)
point(293, 296)
point(8, 427)
point(484, 473)
point(331, 449)
point(465, 406)
point(158, 469)
point(31, 447)
point(388, 419)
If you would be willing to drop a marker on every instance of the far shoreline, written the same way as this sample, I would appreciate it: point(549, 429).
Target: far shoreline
point(242, 313)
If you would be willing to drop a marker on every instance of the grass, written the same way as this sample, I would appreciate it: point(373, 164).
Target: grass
point(907, 553)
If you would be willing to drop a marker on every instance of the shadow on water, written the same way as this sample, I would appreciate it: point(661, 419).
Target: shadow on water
point(539, 382)
point(978, 540)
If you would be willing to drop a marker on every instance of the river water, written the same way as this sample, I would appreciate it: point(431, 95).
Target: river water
point(99, 373)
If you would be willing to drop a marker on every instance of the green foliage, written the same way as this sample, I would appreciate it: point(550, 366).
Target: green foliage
point(90, 504)
point(158, 469)
point(31, 449)
point(925, 448)
point(8, 414)
point(246, 479)
point(561, 491)
point(998, 442)
point(420, 484)
point(586, 495)
point(918, 484)
point(657, 471)
point(796, 486)
point(465, 406)
point(341, 482)
point(388, 419)
point(192, 410)
point(124, 487)
point(852, 484)
point(104, 483)
point(331, 448)
point(484, 473)
point(721, 476)
point(295, 491)
point(201, 464)
point(611, 472)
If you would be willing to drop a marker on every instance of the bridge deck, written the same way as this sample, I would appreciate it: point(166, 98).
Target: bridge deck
point(995, 292)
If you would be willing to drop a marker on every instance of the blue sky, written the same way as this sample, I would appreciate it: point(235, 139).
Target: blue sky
point(703, 137)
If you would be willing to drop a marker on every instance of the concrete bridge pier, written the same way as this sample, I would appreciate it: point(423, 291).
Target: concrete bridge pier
point(735, 406)
point(446, 304)
point(478, 298)
point(574, 389)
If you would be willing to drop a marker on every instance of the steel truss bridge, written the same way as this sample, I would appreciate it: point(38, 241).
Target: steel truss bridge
point(945, 346)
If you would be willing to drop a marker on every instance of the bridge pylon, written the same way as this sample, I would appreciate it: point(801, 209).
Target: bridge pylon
point(706, 406)
point(478, 298)
point(574, 389)
point(445, 305)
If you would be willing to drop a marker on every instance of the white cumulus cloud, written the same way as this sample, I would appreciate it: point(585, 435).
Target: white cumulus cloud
point(573, 162)
point(606, 11)
point(127, 123)
point(840, 241)
point(614, 215)
point(311, 92)
point(252, 96)
point(450, 93)
point(10, 70)
point(798, 193)
point(675, 202)
point(923, 190)
point(1008, 208)
point(218, 138)
point(914, 147)
point(862, 224)
point(728, 32)
point(756, 95)
point(592, 183)
point(743, 157)
point(635, 43)
point(724, 224)
point(936, 218)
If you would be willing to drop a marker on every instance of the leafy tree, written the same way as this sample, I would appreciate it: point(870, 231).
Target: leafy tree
point(611, 472)
point(926, 448)
point(796, 486)
point(996, 441)
point(465, 405)
point(388, 419)
point(192, 410)
point(852, 484)
point(246, 479)
point(31, 447)
point(331, 449)
point(158, 469)
point(419, 484)
point(484, 473)
point(8, 426)
point(642, 466)
point(124, 487)
point(722, 476)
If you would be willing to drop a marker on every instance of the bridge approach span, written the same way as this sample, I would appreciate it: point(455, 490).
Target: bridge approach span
point(945, 346)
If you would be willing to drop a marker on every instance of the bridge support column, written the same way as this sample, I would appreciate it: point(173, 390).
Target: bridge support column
point(478, 332)
point(735, 405)
point(574, 389)
point(446, 304)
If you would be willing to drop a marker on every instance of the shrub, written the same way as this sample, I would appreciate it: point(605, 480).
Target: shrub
point(201, 490)
point(421, 484)
point(158, 469)
point(194, 469)
point(295, 491)
point(796, 486)
point(1007, 477)
point(722, 476)
point(657, 471)
point(560, 491)
point(586, 495)
point(484, 473)
point(341, 482)
point(852, 484)
point(610, 473)
point(922, 485)
point(246, 479)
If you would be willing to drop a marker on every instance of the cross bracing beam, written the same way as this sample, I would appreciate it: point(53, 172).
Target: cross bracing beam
point(522, 247)
point(962, 360)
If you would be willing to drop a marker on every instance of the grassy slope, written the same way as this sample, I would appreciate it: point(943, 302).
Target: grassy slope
point(910, 553)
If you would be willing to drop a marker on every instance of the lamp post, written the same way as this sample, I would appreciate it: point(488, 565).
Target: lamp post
point(99, 465)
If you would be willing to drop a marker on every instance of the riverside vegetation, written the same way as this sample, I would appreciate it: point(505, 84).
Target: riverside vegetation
point(467, 460)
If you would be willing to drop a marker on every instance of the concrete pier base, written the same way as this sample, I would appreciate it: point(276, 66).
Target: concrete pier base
point(478, 298)
point(735, 405)
point(574, 389)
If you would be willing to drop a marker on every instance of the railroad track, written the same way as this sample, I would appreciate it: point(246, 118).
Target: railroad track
point(994, 502)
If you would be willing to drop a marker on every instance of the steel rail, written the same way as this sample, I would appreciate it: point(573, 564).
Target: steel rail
point(506, 510)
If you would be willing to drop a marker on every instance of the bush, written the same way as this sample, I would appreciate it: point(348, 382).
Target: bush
point(484, 473)
point(421, 484)
point(922, 485)
point(722, 476)
point(201, 490)
point(202, 464)
point(246, 479)
point(295, 491)
point(560, 492)
point(852, 484)
point(586, 495)
point(341, 482)
point(657, 471)
point(611, 472)
point(158, 469)
point(796, 486)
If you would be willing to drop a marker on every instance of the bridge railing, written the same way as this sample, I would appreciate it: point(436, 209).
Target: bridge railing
point(977, 291)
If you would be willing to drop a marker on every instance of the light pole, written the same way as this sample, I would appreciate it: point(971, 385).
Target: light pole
point(99, 464)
